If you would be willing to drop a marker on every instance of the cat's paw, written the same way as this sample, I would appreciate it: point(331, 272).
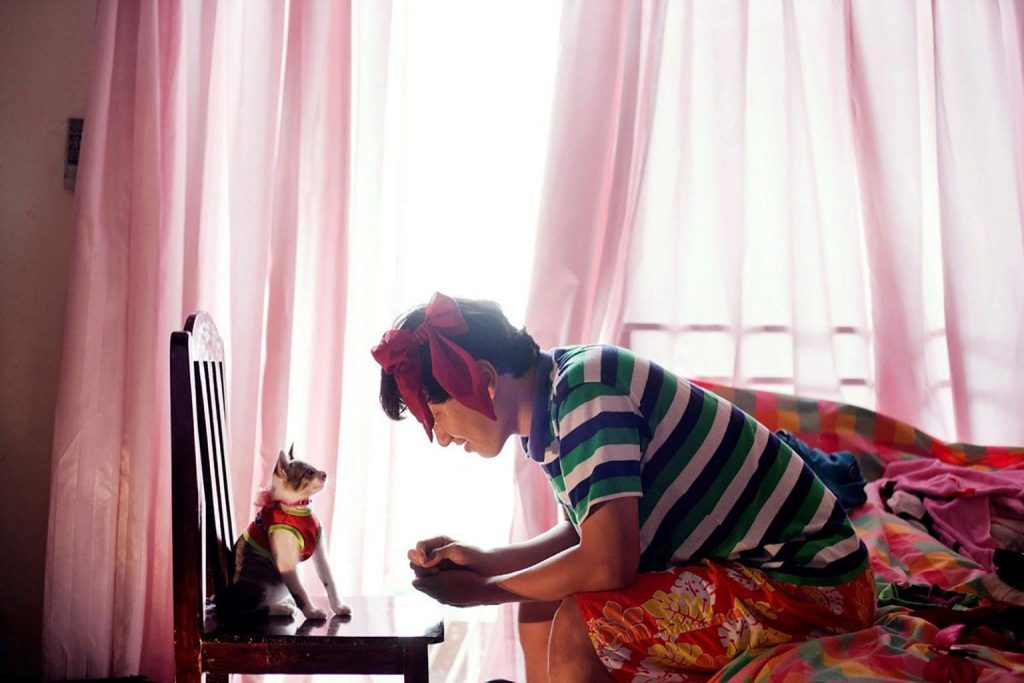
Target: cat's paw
point(314, 613)
point(283, 609)
point(341, 610)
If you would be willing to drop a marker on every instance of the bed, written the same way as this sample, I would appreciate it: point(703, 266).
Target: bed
point(906, 643)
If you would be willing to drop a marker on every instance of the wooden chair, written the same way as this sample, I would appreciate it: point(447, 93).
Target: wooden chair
point(386, 635)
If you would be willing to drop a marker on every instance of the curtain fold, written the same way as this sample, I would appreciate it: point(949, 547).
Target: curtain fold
point(819, 198)
point(229, 147)
point(602, 112)
point(215, 175)
point(824, 198)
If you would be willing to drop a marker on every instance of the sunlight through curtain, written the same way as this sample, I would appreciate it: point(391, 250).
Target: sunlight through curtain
point(304, 171)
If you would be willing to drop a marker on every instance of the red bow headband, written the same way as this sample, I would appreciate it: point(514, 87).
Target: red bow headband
point(452, 366)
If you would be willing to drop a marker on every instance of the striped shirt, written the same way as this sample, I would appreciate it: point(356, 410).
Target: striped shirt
point(712, 482)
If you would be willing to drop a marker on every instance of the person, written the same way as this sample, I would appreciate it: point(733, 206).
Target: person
point(691, 532)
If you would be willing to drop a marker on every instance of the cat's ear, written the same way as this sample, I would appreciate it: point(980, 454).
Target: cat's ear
point(282, 463)
point(291, 452)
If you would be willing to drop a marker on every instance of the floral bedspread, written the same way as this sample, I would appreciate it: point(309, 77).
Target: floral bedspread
point(899, 646)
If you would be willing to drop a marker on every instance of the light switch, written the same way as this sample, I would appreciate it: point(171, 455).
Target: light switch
point(71, 153)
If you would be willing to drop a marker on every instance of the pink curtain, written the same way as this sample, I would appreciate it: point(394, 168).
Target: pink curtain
point(820, 198)
point(214, 175)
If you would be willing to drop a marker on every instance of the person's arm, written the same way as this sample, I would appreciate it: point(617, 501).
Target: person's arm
point(599, 430)
point(606, 558)
point(427, 557)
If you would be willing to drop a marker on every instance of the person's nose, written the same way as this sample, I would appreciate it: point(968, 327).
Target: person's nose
point(443, 438)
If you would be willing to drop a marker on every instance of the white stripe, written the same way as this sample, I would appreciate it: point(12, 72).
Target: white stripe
point(836, 551)
point(609, 453)
point(590, 409)
point(639, 380)
point(728, 500)
point(821, 515)
point(671, 419)
point(591, 364)
point(693, 468)
point(771, 506)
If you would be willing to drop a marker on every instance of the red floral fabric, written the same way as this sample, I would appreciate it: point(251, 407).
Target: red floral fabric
point(698, 617)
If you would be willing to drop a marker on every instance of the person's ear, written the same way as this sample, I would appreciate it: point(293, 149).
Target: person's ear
point(490, 375)
point(282, 462)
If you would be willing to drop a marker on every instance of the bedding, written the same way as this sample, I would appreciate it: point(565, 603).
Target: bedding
point(943, 616)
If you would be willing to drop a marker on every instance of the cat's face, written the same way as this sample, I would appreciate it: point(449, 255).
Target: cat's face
point(295, 479)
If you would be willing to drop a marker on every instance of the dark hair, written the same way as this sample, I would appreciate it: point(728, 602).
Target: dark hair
point(491, 337)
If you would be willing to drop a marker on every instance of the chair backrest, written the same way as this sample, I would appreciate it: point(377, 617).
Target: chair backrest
point(203, 522)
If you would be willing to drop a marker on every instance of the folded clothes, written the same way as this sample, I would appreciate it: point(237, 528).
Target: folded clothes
point(838, 471)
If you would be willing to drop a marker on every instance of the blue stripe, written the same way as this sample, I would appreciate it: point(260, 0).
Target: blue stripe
point(765, 461)
point(670, 449)
point(655, 377)
point(594, 425)
point(552, 469)
point(606, 470)
point(609, 366)
point(833, 528)
point(787, 511)
point(838, 567)
point(697, 489)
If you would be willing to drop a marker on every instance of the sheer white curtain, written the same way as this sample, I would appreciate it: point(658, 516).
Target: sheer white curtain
point(304, 171)
point(824, 198)
point(450, 124)
point(819, 197)
point(833, 207)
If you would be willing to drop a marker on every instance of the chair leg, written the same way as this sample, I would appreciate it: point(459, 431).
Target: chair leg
point(187, 674)
point(417, 669)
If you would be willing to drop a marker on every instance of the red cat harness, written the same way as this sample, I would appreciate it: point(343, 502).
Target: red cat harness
point(298, 520)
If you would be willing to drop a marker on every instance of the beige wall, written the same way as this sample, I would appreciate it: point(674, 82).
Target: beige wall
point(44, 73)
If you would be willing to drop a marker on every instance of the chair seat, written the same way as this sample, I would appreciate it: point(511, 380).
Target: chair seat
point(407, 617)
point(377, 637)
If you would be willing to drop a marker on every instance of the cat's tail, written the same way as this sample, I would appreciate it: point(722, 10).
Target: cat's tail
point(240, 601)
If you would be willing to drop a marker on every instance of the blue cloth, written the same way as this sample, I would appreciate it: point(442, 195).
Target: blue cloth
point(838, 471)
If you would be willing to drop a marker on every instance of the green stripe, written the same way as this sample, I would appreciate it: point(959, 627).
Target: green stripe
point(582, 394)
point(768, 485)
point(624, 371)
point(823, 580)
point(805, 513)
point(605, 437)
point(683, 456)
point(811, 548)
point(575, 374)
point(666, 397)
point(256, 546)
point(290, 529)
point(710, 499)
point(607, 487)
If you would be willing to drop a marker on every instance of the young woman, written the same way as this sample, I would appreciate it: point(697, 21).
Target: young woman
point(692, 532)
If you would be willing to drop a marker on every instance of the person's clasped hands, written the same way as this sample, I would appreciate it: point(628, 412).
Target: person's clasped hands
point(454, 573)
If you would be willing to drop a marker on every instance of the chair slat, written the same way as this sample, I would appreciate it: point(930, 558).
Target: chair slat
point(203, 535)
point(229, 523)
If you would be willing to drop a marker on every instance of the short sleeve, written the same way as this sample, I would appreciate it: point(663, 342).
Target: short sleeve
point(599, 431)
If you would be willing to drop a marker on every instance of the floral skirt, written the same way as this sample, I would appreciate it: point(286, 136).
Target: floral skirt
point(698, 617)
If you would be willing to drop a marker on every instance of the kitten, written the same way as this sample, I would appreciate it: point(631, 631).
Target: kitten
point(284, 533)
